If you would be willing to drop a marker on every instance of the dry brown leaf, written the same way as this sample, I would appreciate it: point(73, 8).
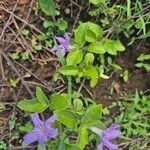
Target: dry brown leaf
point(22, 2)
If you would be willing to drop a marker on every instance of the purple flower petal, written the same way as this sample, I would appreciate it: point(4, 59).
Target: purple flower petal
point(100, 146)
point(36, 120)
point(42, 139)
point(67, 37)
point(108, 144)
point(51, 120)
point(113, 127)
point(112, 134)
point(41, 132)
point(60, 40)
point(63, 45)
point(31, 136)
point(52, 133)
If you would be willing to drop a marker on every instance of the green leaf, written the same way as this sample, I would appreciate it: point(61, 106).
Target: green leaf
point(58, 101)
point(89, 58)
point(96, 2)
point(25, 56)
point(82, 139)
point(48, 24)
point(78, 104)
point(143, 57)
point(62, 24)
point(70, 70)
point(25, 32)
point(68, 118)
point(112, 46)
point(71, 147)
point(96, 48)
point(93, 33)
point(147, 67)
point(32, 105)
point(13, 83)
point(126, 75)
point(48, 7)
point(41, 96)
point(109, 48)
point(80, 34)
point(74, 57)
point(15, 56)
point(92, 73)
point(92, 115)
point(118, 46)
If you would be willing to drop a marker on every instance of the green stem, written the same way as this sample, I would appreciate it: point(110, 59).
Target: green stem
point(63, 63)
point(69, 88)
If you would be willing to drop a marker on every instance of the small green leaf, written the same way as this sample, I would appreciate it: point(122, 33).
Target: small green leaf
point(96, 48)
point(93, 33)
point(32, 105)
point(96, 2)
point(147, 67)
point(78, 104)
point(15, 56)
point(25, 56)
point(89, 58)
point(82, 139)
point(71, 147)
point(58, 101)
point(143, 57)
point(80, 34)
point(62, 24)
point(48, 24)
point(25, 32)
point(68, 118)
point(126, 75)
point(48, 7)
point(41, 96)
point(92, 115)
point(109, 48)
point(92, 73)
point(70, 70)
point(13, 83)
point(118, 46)
point(74, 57)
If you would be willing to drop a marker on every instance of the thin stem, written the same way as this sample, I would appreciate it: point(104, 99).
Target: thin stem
point(69, 78)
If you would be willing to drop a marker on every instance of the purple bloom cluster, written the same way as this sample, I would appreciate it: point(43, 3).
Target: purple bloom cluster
point(41, 132)
point(63, 44)
point(107, 135)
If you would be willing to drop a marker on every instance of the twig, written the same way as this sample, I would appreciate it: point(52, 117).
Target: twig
point(16, 71)
point(26, 23)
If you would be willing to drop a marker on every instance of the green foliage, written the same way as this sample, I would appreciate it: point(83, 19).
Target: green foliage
point(25, 32)
point(15, 56)
point(133, 115)
point(2, 107)
point(3, 145)
point(74, 57)
point(88, 32)
point(48, 7)
point(82, 139)
point(13, 82)
point(143, 62)
point(38, 104)
point(92, 115)
point(58, 101)
point(62, 24)
point(67, 117)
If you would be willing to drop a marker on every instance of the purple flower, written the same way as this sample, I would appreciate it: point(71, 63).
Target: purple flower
point(63, 44)
point(107, 135)
point(41, 132)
